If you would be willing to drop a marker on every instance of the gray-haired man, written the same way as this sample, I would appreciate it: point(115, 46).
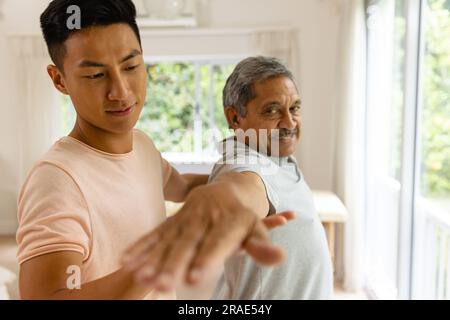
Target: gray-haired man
point(262, 102)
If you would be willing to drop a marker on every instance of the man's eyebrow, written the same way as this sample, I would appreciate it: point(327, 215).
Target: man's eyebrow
point(272, 103)
point(88, 63)
point(276, 103)
point(133, 54)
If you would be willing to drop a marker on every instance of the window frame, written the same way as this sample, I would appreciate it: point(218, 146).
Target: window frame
point(197, 161)
point(410, 159)
point(423, 264)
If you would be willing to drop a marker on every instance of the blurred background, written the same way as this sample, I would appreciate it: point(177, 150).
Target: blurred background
point(374, 78)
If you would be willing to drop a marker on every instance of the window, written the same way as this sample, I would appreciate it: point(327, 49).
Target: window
point(408, 149)
point(183, 113)
point(68, 115)
point(432, 202)
point(385, 109)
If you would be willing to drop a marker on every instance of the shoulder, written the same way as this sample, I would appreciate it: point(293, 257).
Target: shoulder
point(141, 137)
point(49, 182)
point(238, 157)
point(143, 140)
point(46, 174)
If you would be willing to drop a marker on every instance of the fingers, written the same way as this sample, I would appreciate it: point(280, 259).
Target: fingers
point(278, 220)
point(187, 249)
point(264, 253)
point(134, 253)
point(274, 221)
point(148, 272)
point(175, 267)
point(146, 260)
point(289, 215)
point(161, 259)
point(177, 260)
point(219, 243)
point(259, 247)
point(255, 247)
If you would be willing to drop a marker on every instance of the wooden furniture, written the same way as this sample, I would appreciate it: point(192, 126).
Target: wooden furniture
point(331, 211)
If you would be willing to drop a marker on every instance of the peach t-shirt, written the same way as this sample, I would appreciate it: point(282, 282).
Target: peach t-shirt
point(77, 198)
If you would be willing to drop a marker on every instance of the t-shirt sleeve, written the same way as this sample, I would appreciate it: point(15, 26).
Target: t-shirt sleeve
point(53, 215)
point(251, 162)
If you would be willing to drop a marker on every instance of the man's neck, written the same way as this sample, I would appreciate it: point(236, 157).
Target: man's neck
point(115, 143)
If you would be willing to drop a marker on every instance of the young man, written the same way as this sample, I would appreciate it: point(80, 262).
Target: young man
point(103, 187)
point(260, 96)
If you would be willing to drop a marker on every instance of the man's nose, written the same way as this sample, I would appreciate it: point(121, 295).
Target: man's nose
point(288, 122)
point(119, 90)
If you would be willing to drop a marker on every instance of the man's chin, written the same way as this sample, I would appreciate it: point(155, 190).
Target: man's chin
point(286, 148)
point(286, 153)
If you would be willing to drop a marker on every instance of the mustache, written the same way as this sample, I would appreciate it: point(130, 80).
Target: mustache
point(282, 133)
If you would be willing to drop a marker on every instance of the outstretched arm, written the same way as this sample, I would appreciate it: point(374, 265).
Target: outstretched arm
point(216, 220)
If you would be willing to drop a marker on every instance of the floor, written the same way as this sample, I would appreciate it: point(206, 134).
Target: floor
point(8, 260)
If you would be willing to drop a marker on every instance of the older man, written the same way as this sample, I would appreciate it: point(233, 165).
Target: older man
point(262, 102)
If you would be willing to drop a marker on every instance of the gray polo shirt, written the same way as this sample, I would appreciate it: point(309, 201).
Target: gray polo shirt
point(307, 272)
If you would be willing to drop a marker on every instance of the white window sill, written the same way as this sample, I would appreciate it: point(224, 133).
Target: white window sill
point(191, 162)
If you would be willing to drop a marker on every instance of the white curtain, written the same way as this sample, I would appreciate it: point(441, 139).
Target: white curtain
point(37, 102)
point(8, 143)
point(1, 9)
point(350, 159)
point(281, 44)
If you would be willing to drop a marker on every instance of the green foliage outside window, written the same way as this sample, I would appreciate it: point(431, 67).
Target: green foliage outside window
point(435, 179)
point(169, 111)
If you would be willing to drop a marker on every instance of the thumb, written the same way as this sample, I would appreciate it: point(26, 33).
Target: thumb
point(259, 247)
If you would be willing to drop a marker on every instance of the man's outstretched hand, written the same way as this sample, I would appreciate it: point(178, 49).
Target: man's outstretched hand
point(192, 244)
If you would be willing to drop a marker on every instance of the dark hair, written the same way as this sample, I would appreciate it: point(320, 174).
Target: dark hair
point(93, 13)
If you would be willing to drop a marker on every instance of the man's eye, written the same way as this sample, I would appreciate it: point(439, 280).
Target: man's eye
point(132, 68)
point(295, 108)
point(271, 111)
point(95, 76)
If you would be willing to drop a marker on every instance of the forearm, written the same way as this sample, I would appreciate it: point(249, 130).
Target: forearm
point(194, 180)
point(119, 285)
point(241, 189)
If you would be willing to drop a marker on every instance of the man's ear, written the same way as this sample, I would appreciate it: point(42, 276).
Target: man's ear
point(233, 117)
point(57, 78)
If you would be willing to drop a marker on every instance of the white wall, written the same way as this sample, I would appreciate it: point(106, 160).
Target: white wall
point(8, 141)
point(22, 16)
point(8, 182)
point(19, 16)
point(317, 21)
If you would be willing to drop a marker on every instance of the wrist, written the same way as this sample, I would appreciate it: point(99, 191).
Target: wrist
point(220, 193)
point(195, 180)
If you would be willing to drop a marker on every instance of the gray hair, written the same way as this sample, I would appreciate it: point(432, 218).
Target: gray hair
point(239, 88)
